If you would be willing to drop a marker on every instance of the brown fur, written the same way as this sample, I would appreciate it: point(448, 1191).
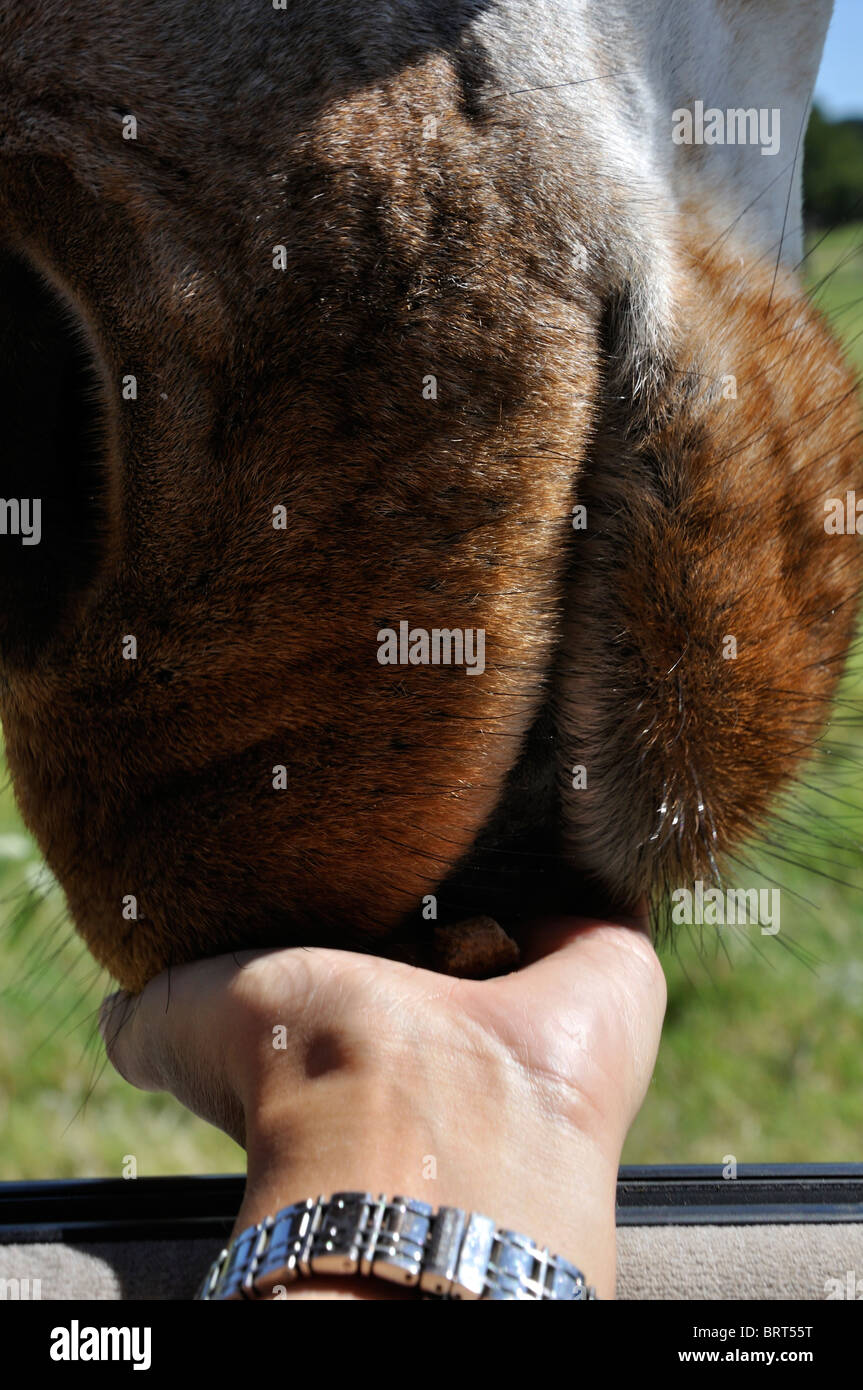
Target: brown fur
point(706, 521)
point(257, 647)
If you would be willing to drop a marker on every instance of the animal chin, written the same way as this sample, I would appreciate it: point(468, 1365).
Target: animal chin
point(708, 613)
point(710, 610)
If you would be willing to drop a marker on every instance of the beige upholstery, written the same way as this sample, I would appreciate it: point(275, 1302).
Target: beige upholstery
point(725, 1262)
point(655, 1262)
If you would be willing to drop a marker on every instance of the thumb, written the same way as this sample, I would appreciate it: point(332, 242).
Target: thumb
point(599, 982)
point(551, 935)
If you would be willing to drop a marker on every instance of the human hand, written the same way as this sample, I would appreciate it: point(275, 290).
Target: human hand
point(339, 1071)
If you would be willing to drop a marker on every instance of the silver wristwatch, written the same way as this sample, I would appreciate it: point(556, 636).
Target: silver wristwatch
point(443, 1254)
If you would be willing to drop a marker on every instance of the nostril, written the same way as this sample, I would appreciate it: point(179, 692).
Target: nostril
point(52, 404)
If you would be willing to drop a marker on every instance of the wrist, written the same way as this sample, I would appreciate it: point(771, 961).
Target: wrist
point(454, 1124)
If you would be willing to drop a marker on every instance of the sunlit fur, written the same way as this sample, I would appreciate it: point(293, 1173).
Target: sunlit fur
point(537, 256)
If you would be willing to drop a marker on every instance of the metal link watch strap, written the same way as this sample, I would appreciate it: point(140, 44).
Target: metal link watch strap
point(448, 1254)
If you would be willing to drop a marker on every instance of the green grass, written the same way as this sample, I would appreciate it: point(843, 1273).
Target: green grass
point(762, 1055)
point(834, 270)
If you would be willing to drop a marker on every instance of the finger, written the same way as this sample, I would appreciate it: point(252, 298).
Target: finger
point(132, 1042)
point(171, 1026)
point(613, 963)
point(173, 1037)
point(602, 979)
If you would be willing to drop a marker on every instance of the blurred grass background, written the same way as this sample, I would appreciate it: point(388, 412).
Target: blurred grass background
point(762, 1055)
